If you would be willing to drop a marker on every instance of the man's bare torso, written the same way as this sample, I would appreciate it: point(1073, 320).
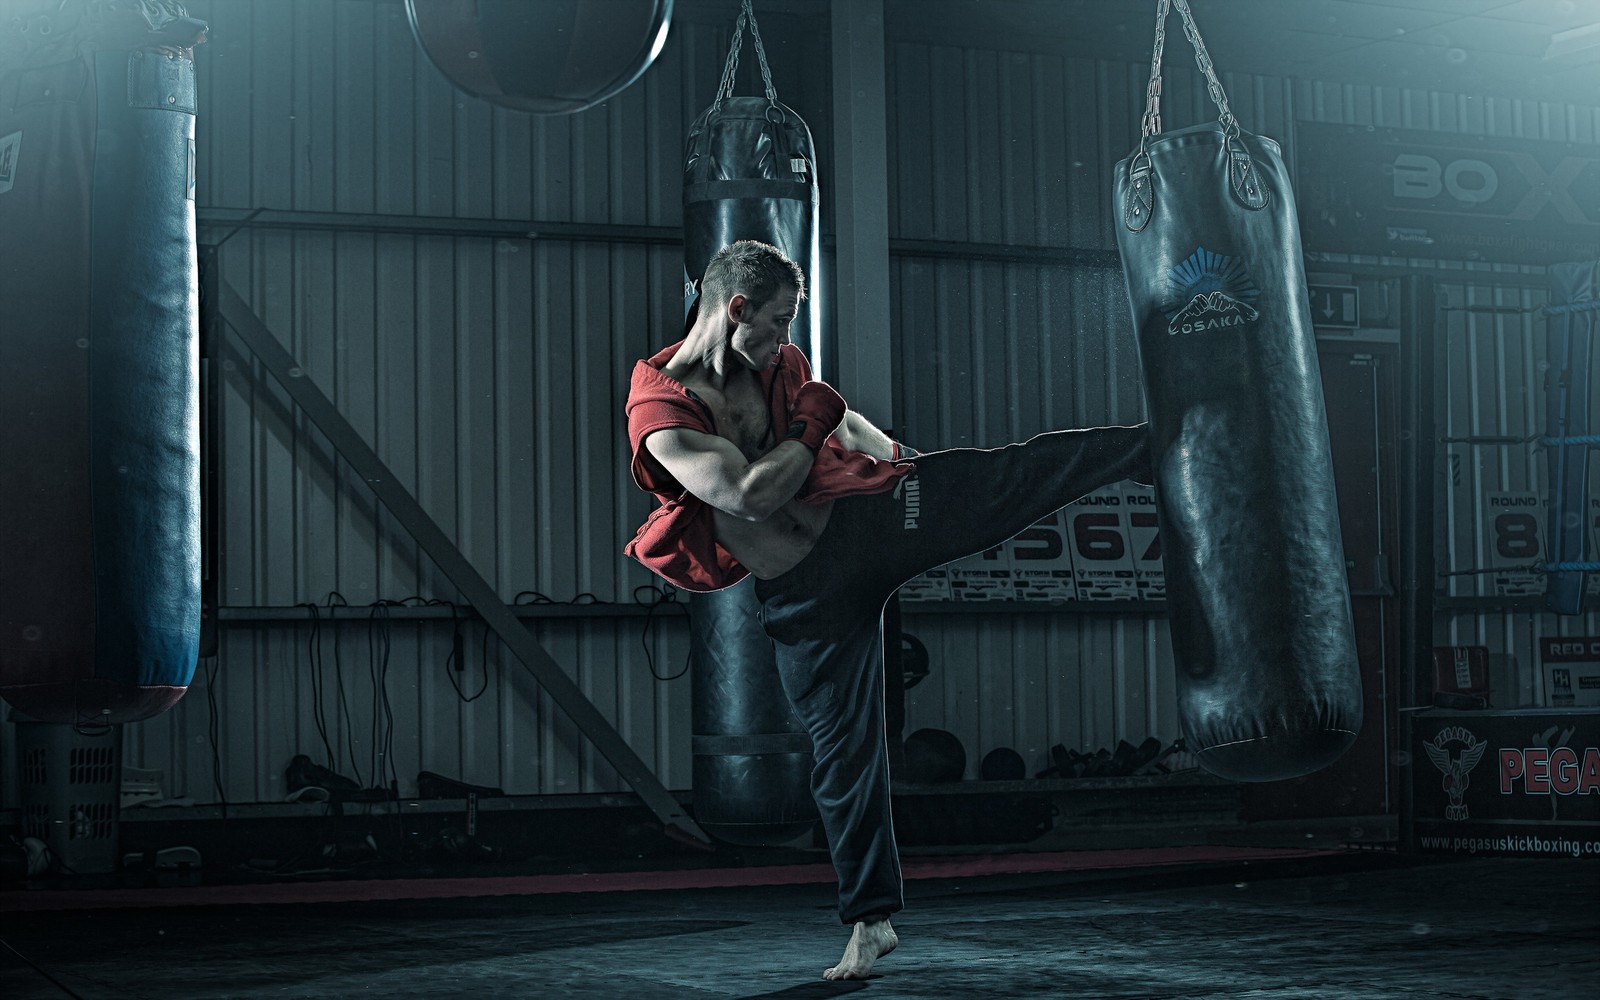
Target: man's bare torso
point(772, 547)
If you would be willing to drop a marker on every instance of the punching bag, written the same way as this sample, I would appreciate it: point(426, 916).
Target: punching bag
point(749, 173)
point(751, 775)
point(99, 418)
point(1269, 684)
point(552, 57)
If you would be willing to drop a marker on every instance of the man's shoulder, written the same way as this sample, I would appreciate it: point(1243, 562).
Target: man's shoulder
point(795, 358)
point(657, 402)
point(649, 382)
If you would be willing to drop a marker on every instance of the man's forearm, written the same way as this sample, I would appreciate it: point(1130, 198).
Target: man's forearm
point(857, 433)
point(773, 479)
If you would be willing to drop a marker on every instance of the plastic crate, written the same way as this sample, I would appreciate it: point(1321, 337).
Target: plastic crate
point(71, 784)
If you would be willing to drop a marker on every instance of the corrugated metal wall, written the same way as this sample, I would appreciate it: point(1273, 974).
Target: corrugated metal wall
point(1018, 148)
point(489, 374)
point(1493, 406)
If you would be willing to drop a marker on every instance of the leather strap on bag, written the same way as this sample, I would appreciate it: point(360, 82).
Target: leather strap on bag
point(1247, 187)
point(777, 117)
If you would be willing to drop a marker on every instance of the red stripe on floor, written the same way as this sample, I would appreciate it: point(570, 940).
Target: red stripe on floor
point(364, 890)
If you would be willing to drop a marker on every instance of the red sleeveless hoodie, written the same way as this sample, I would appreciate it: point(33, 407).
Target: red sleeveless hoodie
point(677, 541)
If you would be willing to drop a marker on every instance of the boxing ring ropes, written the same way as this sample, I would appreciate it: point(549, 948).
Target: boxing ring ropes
point(1557, 440)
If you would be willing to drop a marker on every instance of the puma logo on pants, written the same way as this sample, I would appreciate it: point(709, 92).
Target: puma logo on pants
point(910, 490)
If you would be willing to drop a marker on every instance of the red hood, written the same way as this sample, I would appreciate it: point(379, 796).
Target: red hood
point(677, 541)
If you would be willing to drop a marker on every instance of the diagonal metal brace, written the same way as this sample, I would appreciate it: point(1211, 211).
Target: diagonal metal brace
point(478, 591)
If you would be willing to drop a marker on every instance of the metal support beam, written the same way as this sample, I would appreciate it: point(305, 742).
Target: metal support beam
point(477, 591)
point(1422, 368)
point(234, 219)
point(222, 223)
point(861, 200)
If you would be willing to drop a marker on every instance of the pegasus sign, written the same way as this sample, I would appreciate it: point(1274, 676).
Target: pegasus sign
point(1456, 766)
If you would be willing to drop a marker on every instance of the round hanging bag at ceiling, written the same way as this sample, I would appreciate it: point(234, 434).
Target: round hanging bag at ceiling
point(548, 58)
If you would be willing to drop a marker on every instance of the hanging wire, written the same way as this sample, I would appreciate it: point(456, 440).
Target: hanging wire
point(314, 658)
point(665, 595)
point(209, 665)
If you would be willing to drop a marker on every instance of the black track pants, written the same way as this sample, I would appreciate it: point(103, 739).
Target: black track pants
point(825, 615)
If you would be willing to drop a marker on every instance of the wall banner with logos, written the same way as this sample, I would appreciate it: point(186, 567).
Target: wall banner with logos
point(1456, 196)
point(1522, 782)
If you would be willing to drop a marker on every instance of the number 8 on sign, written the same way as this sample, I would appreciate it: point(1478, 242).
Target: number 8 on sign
point(1515, 542)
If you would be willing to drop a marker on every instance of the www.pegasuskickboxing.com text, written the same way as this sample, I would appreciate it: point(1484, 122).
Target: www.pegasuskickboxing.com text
point(1520, 843)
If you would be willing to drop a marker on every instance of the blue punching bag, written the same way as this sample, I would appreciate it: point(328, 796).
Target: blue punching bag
point(1569, 383)
point(1269, 685)
point(749, 174)
point(99, 420)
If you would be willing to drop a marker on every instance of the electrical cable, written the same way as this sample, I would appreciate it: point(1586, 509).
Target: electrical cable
point(384, 771)
point(483, 654)
point(538, 598)
point(665, 594)
point(314, 657)
point(211, 670)
point(455, 662)
point(377, 636)
point(387, 775)
point(342, 706)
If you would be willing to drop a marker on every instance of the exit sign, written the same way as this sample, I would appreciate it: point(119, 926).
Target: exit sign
point(1334, 305)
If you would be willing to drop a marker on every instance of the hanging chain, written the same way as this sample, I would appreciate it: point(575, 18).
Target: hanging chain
point(1230, 125)
point(1152, 103)
point(725, 87)
point(731, 67)
point(1151, 124)
point(761, 53)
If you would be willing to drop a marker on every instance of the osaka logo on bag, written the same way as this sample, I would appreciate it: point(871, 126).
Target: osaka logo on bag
point(1455, 766)
point(1212, 292)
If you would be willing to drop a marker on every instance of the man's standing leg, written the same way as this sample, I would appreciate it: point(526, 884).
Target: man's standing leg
point(836, 687)
point(825, 613)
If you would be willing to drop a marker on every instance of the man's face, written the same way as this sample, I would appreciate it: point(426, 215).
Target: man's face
point(760, 333)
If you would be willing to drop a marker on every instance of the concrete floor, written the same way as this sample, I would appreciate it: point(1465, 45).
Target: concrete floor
point(1356, 925)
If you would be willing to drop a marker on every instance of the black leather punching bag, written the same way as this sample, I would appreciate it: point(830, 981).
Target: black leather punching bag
point(751, 757)
point(99, 418)
point(550, 57)
point(749, 174)
point(1268, 680)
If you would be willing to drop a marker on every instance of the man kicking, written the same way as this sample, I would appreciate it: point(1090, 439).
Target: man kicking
point(763, 471)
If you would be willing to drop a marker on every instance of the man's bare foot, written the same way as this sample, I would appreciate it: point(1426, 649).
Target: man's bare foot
point(873, 938)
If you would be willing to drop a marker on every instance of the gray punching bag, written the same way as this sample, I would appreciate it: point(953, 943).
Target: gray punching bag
point(550, 57)
point(749, 174)
point(1269, 684)
point(99, 339)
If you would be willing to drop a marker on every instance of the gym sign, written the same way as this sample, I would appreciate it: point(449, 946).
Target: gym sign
point(1513, 781)
point(1398, 192)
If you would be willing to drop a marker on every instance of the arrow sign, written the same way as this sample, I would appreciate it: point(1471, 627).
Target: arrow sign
point(1335, 306)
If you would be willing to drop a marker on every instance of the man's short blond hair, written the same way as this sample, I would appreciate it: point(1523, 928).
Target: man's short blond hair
point(756, 270)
